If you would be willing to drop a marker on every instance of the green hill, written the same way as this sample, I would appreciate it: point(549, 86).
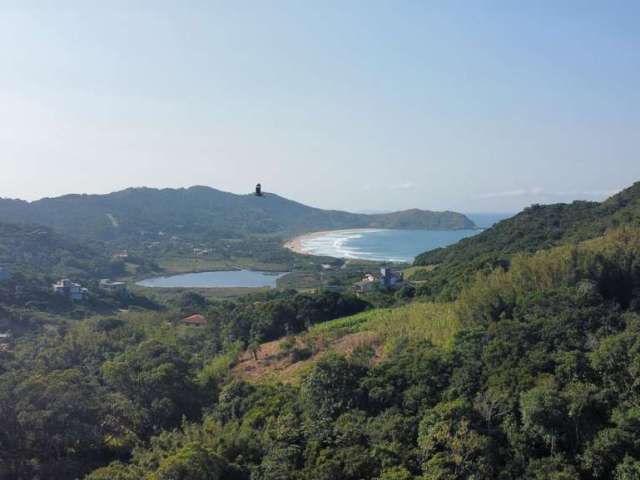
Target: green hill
point(200, 212)
point(537, 227)
point(531, 373)
point(38, 249)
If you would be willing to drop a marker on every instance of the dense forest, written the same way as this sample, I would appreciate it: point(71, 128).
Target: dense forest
point(528, 369)
point(539, 381)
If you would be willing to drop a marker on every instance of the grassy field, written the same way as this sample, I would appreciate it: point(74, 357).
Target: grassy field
point(413, 273)
point(376, 328)
point(435, 322)
point(174, 265)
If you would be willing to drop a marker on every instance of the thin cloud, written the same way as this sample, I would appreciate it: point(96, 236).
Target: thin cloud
point(402, 186)
point(539, 192)
point(520, 192)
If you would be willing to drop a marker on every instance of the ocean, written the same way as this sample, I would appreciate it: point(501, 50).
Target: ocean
point(390, 245)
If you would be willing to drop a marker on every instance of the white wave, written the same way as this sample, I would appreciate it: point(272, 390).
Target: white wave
point(339, 244)
point(386, 247)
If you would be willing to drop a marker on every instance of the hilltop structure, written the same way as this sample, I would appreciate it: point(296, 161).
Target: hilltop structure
point(258, 190)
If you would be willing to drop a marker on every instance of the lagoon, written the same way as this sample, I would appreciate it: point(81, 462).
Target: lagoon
point(218, 279)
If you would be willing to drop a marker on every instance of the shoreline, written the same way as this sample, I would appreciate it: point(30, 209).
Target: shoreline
point(295, 244)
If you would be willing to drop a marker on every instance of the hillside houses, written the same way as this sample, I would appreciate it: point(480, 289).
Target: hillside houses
point(387, 280)
point(73, 291)
point(390, 279)
point(5, 342)
point(367, 284)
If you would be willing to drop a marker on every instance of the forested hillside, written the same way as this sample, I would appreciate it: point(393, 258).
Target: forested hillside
point(38, 249)
point(32, 257)
point(202, 212)
point(537, 227)
point(530, 371)
point(535, 376)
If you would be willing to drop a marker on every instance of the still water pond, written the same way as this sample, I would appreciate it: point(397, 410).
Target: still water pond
point(222, 279)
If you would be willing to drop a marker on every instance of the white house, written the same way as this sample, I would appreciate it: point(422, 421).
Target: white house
point(74, 291)
point(367, 283)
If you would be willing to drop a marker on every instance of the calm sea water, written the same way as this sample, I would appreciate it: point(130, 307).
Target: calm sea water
point(223, 279)
point(391, 245)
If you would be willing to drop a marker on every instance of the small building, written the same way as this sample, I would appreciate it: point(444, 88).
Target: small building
point(119, 288)
point(196, 320)
point(5, 342)
point(121, 255)
point(73, 291)
point(258, 190)
point(367, 284)
point(390, 279)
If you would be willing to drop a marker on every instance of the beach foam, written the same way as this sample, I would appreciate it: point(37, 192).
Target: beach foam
point(383, 245)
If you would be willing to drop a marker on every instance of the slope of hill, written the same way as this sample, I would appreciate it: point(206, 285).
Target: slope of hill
point(38, 249)
point(531, 374)
point(202, 211)
point(288, 359)
point(537, 227)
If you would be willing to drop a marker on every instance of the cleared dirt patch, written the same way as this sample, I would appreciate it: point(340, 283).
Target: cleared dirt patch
point(287, 359)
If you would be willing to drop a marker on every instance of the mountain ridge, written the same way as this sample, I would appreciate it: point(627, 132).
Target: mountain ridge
point(201, 210)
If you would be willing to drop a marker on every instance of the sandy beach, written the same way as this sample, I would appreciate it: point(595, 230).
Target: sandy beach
point(296, 243)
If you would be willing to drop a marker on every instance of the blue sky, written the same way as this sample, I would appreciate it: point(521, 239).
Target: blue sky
point(472, 106)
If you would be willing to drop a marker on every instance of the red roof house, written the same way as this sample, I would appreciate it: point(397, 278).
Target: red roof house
point(196, 320)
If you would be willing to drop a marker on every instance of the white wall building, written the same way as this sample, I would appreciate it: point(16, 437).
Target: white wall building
point(73, 291)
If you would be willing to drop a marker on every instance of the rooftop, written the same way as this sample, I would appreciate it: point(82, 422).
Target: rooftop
point(196, 319)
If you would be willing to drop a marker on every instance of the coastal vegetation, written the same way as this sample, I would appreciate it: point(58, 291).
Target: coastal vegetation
point(230, 246)
point(527, 368)
point(535, 228)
